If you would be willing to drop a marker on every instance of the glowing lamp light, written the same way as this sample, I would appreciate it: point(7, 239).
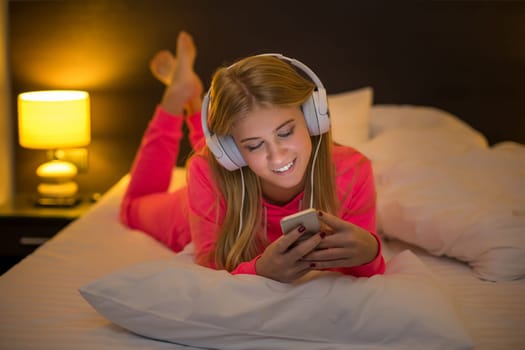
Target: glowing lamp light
point(54, 120)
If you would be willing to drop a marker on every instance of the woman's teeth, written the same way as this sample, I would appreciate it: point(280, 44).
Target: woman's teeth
point(284, 168)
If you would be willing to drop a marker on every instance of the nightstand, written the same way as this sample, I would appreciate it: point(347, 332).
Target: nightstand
point(24, 226)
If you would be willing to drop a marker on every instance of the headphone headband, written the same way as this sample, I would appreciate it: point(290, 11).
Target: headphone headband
point(323, 107)
point(315, 111)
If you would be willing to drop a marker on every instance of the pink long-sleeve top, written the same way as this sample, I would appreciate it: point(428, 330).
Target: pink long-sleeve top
point(190, 213)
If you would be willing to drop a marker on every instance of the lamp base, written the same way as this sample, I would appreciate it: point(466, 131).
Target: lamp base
point(57, 188)
point(57, 201)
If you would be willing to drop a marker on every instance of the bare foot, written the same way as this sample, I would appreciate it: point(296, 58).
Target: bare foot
point(183, 84)
point(162, 66)
point(183, 65)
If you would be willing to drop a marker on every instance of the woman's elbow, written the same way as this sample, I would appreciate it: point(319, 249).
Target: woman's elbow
point(124, 213)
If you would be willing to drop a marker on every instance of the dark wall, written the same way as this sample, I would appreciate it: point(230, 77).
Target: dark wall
point(465, 57)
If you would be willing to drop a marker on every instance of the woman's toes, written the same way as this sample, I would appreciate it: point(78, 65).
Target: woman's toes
point(186, 50)
point(162, 66)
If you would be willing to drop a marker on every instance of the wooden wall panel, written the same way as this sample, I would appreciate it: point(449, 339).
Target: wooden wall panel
point(466, 57)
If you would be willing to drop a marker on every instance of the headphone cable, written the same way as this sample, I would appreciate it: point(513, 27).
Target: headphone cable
point(242, 204)
point(312, 171)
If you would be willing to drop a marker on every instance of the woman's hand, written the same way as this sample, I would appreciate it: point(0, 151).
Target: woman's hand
point(345, 245)
point(284, 264)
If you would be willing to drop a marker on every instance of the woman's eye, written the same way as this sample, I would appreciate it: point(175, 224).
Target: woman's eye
point(252, 148)
point(286, 133)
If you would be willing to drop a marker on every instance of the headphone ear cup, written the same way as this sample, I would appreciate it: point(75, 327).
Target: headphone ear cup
point(223, 148)
point(231, 156)
point(311, 116)
point(322, 114)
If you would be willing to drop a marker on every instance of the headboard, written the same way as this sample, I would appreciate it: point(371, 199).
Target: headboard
point(465, 57)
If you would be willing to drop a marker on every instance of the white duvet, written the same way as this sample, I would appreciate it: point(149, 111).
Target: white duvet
point(441, 187)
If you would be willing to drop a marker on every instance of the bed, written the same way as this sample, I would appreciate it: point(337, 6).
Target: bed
point(451, 217)
point(439, 111)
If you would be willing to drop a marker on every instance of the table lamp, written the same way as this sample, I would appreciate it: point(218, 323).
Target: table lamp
point(55, 120)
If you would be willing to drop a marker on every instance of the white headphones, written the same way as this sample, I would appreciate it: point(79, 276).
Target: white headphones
point(315, 111)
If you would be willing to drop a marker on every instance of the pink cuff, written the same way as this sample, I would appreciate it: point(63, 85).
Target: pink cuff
point(247, 268)
point(161, 114)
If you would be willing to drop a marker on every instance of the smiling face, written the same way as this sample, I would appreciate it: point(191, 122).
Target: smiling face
point(276, 145)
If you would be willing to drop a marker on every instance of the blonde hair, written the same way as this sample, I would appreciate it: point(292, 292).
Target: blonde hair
point(235, 91)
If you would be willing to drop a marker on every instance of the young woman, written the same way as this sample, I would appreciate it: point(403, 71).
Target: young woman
point(232, 212)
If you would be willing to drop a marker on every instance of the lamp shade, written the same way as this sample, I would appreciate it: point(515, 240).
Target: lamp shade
point(54, 119)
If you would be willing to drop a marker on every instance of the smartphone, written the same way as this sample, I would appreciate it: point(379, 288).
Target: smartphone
point(308, 218)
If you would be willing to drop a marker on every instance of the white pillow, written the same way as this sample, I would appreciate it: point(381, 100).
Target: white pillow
point(385, 117)
point(180, 302)
point(350, 116)
point(442, 189)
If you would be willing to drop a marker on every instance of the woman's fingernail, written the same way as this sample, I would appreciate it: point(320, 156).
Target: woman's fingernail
point(312, 265)
point(322, 234)
point(301, 228)
point(320, 213)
